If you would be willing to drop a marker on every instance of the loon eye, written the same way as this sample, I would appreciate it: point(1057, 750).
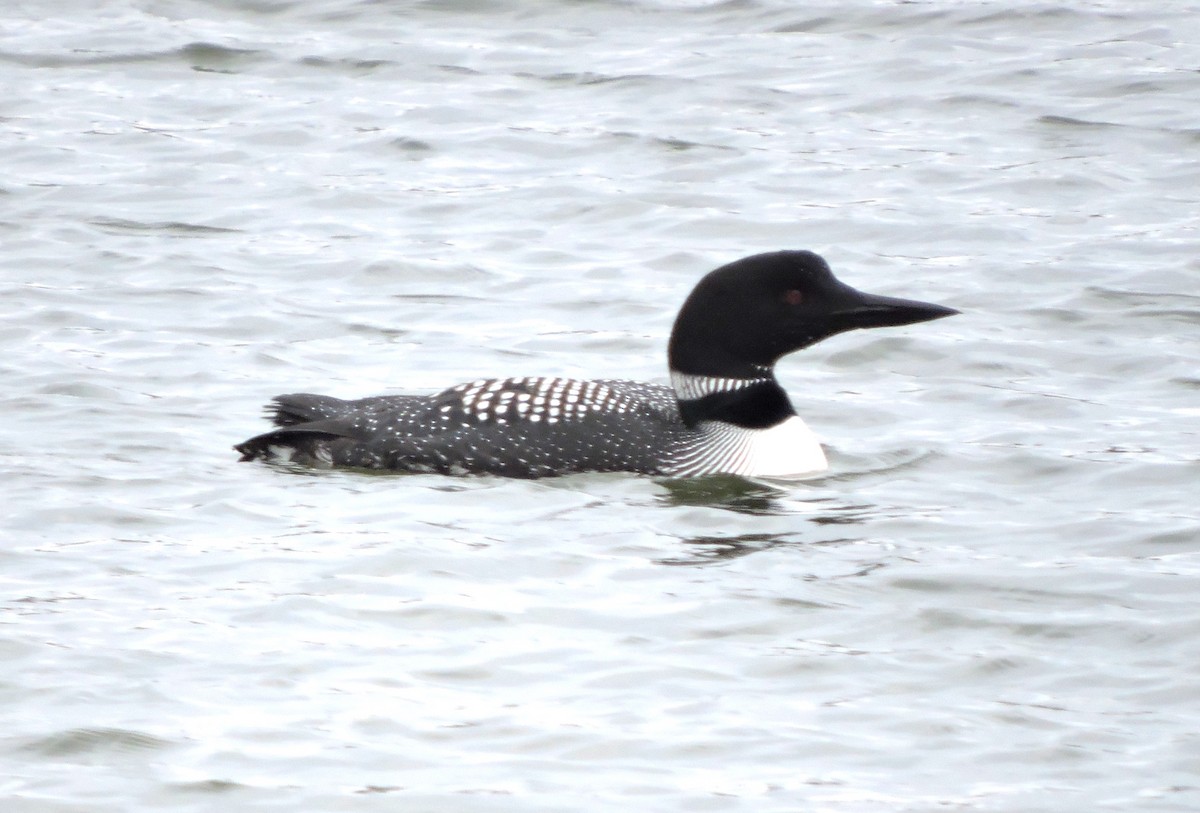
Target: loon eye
point(793, 296)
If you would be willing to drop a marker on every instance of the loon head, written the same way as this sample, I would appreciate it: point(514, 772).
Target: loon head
point(741, 318)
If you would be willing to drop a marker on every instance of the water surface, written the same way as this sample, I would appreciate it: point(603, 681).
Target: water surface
point(989, 602)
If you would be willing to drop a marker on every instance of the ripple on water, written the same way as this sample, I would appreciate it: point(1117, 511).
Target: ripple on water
point(986, 604)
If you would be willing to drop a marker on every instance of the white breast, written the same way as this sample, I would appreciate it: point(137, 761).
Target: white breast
point(788, 450)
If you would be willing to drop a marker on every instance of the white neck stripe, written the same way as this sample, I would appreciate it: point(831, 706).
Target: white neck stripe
point(689, 387)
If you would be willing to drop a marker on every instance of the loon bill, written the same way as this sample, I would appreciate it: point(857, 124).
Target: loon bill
point(724, 413)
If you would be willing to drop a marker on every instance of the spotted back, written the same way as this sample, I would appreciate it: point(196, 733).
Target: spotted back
point(522, 427)
point(543, 400)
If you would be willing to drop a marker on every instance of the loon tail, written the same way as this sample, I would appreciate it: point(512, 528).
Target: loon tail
point(302, 443)
point(305, 422)
point(304, 407)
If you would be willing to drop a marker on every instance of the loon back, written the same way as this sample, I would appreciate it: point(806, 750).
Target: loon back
point(724, 413)
point(515, 427)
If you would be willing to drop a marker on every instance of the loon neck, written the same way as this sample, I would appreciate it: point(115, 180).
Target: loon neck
point(756, 402)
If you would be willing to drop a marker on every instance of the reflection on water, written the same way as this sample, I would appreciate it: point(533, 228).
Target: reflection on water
point(726, 491)
point(716, 549)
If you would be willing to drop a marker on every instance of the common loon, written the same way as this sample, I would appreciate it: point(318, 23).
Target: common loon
point(724, 413)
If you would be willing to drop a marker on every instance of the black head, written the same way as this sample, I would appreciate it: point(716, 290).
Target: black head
point(744, 316)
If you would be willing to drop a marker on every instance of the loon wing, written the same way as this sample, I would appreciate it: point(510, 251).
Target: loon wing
point(525, 427)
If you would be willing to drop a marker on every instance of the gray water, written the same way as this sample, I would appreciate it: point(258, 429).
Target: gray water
point(989, 604)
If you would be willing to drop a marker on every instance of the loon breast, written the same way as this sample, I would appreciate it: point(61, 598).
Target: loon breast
point(788, 451)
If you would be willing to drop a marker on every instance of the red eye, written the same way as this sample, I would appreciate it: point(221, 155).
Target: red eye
point(793, 297)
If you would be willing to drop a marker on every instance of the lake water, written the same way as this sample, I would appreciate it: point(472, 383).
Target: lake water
point(989, 604)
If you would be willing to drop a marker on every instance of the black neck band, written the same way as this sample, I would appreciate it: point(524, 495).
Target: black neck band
point(758, 406)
